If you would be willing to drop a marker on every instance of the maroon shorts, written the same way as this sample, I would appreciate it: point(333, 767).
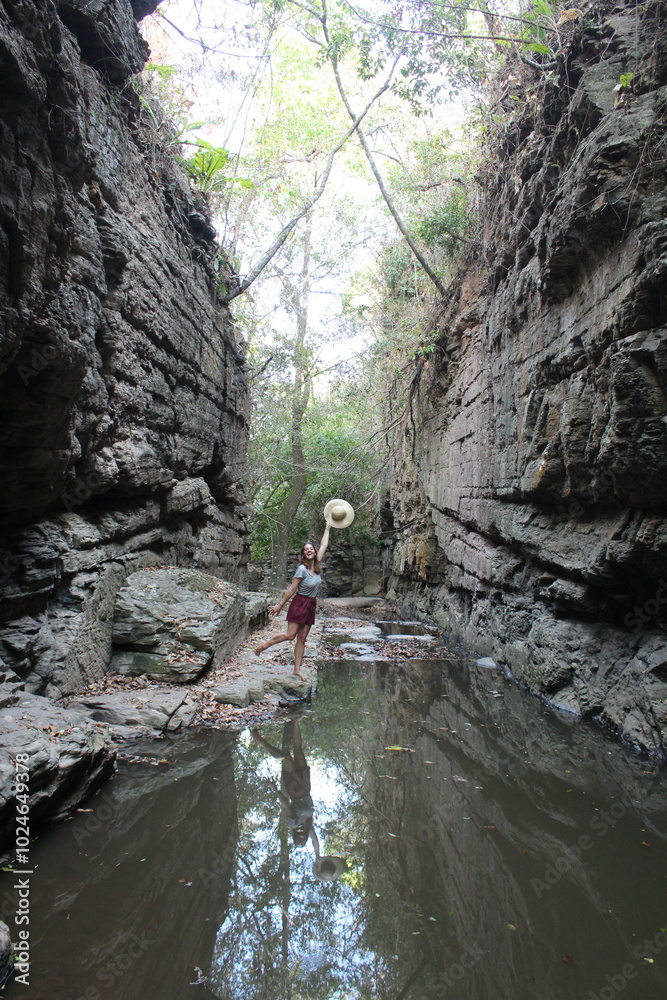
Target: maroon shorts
point(302, 610)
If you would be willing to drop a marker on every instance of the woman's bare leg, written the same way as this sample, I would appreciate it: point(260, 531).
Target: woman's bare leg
point(299, 647)
point(287, 636)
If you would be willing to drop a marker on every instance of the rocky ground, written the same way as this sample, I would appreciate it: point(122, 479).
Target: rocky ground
point(68, 749)
point(182, 654)
point(241, 690)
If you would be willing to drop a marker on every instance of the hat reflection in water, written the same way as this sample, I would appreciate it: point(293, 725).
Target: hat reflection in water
point(329, 867)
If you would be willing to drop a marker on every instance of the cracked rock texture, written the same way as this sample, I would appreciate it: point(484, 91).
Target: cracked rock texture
point(174, 624)
point(122, 385)
point(539, 477)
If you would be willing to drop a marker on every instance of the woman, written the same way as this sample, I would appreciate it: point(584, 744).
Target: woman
point(295, 792)
point(301, 615)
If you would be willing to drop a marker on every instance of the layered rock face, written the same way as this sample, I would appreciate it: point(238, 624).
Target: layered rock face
point(540, 467)
point(122, 385)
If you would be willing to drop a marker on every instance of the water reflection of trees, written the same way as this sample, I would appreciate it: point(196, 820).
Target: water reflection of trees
point(444, 838)
point(288, 934)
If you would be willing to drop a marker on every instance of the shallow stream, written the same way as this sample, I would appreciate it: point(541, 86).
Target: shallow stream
point(493, 850)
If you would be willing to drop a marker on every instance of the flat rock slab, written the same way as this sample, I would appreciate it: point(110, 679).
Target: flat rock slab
point(372, 643)
point(172, 624)
point(409, 637)
point(68, 758)
point(349, 630)
point(415, 662)
point(355, 648)
point(259, 680)
point(157, 709)
point(406, 628)
point(352, 602)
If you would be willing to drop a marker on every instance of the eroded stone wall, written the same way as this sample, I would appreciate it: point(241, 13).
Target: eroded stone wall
point(539, 478)
point(122, 386)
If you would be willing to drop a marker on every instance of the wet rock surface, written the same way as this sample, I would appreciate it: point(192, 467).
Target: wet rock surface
point(68, 757)
point(154, 709)
point(5, 953)
point(535, 528)
point(381, 642)
point(235, 690)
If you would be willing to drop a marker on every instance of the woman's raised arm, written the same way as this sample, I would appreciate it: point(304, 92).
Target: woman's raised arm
point(324, 544)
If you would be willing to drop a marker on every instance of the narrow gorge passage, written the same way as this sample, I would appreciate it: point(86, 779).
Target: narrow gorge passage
point(411, 259)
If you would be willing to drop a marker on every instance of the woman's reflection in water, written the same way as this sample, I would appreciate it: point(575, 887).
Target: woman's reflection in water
point(296, 798)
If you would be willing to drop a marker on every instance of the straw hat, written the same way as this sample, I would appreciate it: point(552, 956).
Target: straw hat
point(329, 867)
point(339, 513)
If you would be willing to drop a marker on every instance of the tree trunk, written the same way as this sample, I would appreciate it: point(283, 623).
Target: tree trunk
point(298, 296)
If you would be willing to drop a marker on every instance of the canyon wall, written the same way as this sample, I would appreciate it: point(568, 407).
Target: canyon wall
point(530, 506)
point(123, 395)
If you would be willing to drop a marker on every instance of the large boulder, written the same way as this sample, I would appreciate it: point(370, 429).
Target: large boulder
point(173, 624)
point(156, 708)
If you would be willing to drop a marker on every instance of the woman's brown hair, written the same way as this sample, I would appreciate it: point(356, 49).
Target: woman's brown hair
point(316, 563)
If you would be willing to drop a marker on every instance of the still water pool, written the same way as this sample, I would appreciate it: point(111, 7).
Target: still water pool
point(491, 850)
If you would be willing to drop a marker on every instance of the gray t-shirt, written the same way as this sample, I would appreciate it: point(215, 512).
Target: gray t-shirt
point(310, 582)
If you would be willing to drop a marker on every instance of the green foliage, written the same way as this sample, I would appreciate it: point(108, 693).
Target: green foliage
point(398, 269)
point(339, 462)
point(440, 48)
point(446, 224)
point(167, 101)
point(165, 72)
point(541, 23)
point(206, 167)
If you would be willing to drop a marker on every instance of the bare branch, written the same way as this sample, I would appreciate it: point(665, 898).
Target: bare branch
point(426, 267)
point(541, 66)
point(255, 375)
point(435, 34)
point(306, 207)
point(202, 45)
